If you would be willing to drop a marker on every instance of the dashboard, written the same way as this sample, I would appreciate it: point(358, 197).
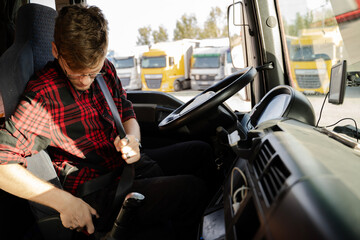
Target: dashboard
point(281, 102)
point(275, 108)
point(291, 186)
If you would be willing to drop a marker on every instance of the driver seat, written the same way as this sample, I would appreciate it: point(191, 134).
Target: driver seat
point(30, 52)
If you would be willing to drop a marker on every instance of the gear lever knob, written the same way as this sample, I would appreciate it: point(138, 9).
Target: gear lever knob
point(132, 201)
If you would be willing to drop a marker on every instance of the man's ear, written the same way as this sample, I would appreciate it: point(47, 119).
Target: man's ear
point(54, 50)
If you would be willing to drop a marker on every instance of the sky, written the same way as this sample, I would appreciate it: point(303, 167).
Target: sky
point(126, 17)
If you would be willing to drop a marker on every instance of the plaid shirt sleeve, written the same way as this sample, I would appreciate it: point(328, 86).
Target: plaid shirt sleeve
point(26, 132)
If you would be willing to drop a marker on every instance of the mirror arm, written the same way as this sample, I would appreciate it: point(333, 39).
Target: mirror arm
point(266, 66)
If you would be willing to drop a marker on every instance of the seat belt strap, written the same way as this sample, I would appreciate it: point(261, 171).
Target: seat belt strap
point(128, 173)
point(119, 127)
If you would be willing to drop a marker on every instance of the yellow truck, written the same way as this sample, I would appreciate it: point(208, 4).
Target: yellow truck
point(312, 55)
point(166, 66)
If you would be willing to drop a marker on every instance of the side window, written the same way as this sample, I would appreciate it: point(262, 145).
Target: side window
point(222, 60)
point(49, 3)
point(171, 61)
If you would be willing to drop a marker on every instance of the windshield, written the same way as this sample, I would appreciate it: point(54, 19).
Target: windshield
point(206, 61)
point(306, 53)
point(320, 34)
point(123, 62)
point(153, 62)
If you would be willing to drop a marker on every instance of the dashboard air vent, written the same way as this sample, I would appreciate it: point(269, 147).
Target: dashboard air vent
point(270, 171)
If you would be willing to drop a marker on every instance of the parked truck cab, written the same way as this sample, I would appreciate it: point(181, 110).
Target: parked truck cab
point(127, 66)
point(209, 66)
point(313, 54)
point(166, 67)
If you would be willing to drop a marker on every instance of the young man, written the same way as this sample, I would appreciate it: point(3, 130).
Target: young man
point(64, 111)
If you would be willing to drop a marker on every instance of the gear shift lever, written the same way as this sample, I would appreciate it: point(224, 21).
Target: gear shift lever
point(132, 201)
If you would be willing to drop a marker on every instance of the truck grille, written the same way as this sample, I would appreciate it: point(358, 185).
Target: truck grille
point(204, 77)
point(125, 81)
point(308, 81)
point(153, 80)
point(153, 83)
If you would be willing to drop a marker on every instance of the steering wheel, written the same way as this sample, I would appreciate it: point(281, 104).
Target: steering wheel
point(208, 99)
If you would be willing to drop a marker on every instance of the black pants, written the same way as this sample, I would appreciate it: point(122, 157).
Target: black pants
point(174, 202)
point(192, 157)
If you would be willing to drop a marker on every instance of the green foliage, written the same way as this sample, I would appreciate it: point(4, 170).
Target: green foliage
point(212, 26)
point(186, 27)
point(307, 21)
point(301, 22)
point(144, 36)
point(160, 35)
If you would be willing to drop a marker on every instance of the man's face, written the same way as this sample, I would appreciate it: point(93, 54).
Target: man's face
point(82, 79)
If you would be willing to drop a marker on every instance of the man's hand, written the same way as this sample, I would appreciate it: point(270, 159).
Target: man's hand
point(74, 212)
point(77, 214)
point(129, 148)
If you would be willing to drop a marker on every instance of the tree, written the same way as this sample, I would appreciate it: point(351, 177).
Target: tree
point(144, 36)
point(214, 25)
point(314, 19)
point(301, 22)
point(186, 27)
point(160, 36)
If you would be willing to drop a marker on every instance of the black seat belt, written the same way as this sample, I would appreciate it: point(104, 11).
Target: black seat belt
point(119, 127)
point(128, 173)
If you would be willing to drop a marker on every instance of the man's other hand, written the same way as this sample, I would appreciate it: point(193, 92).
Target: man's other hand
point(129, 148)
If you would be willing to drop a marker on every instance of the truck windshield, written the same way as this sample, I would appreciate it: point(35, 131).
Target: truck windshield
point(124, 62)
point(320, 34)
point(307, 53)
point(153, 62)
point(206, 61)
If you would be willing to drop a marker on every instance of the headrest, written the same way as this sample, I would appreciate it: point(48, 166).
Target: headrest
point(35, 23)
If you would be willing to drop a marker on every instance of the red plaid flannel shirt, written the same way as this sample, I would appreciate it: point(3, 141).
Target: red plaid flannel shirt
point(76, 127)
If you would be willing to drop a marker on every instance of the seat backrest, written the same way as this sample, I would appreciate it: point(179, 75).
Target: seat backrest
point(30, 52)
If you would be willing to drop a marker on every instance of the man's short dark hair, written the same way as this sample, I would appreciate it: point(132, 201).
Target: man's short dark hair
point(81, 35)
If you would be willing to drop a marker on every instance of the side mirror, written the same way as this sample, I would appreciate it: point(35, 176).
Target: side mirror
point(236, 29)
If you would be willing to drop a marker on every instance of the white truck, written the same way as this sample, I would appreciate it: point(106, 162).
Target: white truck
point(210, 65)
point(211, 62)
point(127, 64)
